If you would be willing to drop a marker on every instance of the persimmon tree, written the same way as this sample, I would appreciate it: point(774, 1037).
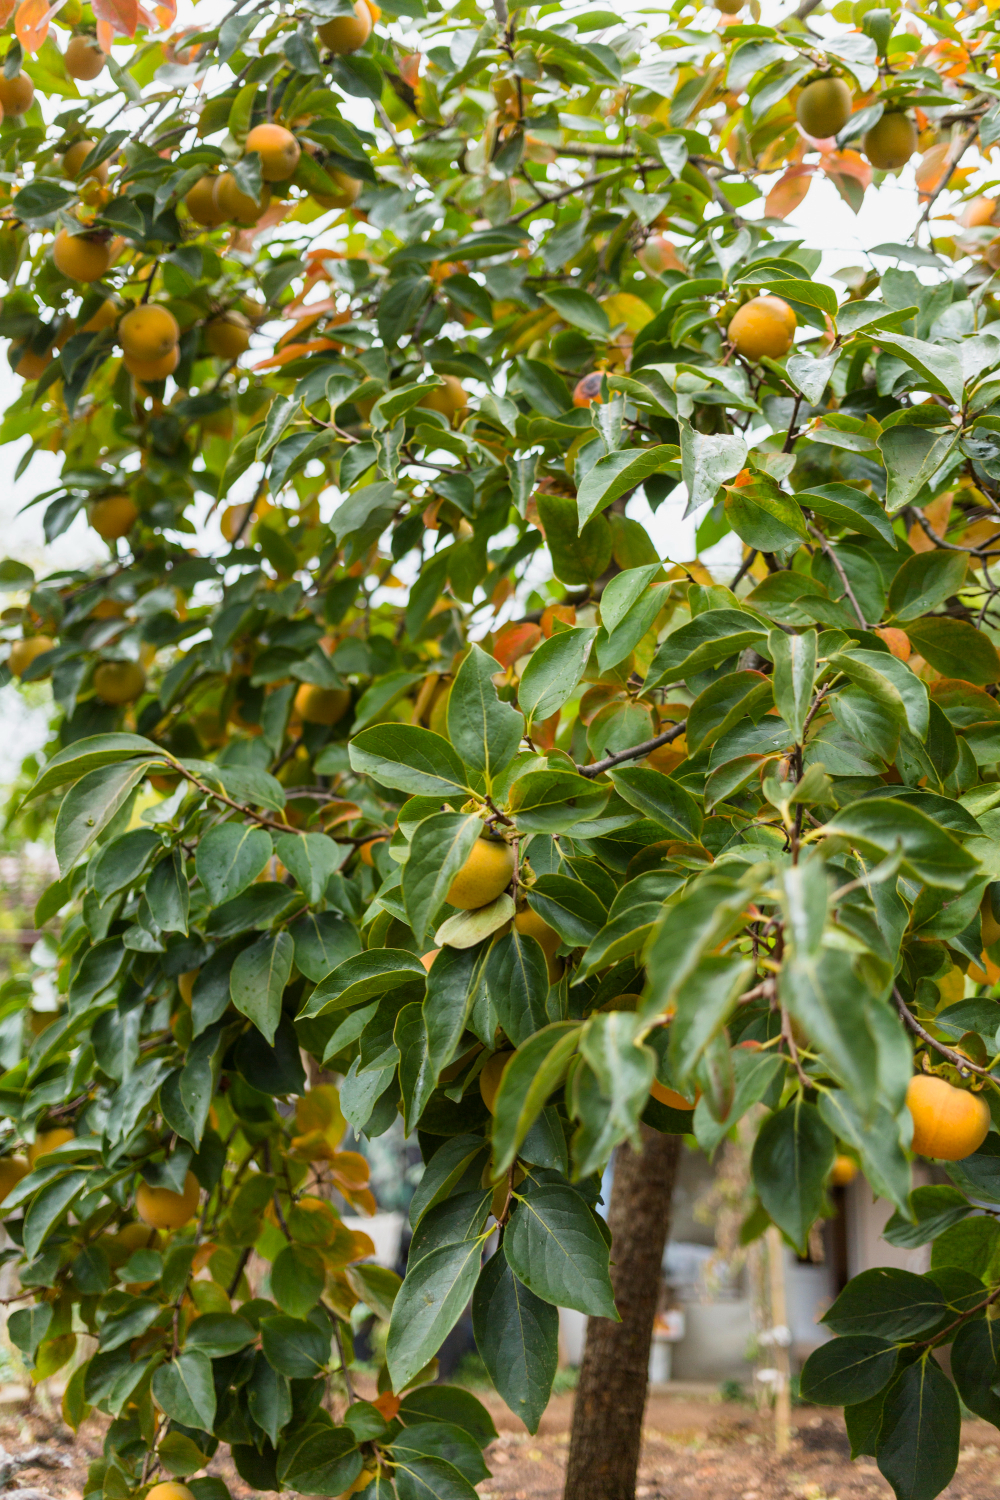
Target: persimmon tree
point(433, 776)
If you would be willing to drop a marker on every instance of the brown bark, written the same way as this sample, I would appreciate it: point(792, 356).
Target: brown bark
point(611, 1395)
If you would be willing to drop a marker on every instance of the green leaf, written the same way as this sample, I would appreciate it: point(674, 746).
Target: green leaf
point(658, 797)
point(449, 1403)
point(295, 1347)
point(167, 893)
point(258, 981)
point(552, 674)
point(451, 986)
point(579, 309)
point(485, 732)
point(709, 639)
point(704, 1004)
point(975, 1367)
point(184, 1390)
point(955, 648)
point(935, 1207)
point(973, 1245)
point(518, 982)
point(430, 1479)
point(555, 1248)
point(824, 996)
point(89, 806)
point(535, 1070)
point(875, 827)
point(96, 750)
point(311, 858)
point(219, 1334)
point(377, 1287)
point(754, 1075)
point(875, 1137)
point(888, 1302)
point(618, 474)
point(709, 911)
point(517, 1335)
point(850, 508)
point(912, 456)
point(571, 908)
point(707, 461)
point(579, 554)
point(416, 1082)
point(439, 848)
point(794, 658)
point(555, 801)
point(415, 760)
point(918, 1441)
point(230, 857)
point(363, 977)
point(47, 1209)
point(848, 1370)
point(322, 941)
point(430, 1302)
point(321, 1460)
point(441, 1440)
point(924, 581)
point(764, 517)
point(29, 1325)
point(938, 364)
point(791, 1159)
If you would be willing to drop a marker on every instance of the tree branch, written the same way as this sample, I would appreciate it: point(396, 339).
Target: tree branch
point(961, 1062)
point(635, 752)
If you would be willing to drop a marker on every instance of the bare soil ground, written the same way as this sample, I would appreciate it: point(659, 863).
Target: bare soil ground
point(693, 1446)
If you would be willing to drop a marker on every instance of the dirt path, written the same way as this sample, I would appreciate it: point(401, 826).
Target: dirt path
point(693, 1447)
point(703, 1448)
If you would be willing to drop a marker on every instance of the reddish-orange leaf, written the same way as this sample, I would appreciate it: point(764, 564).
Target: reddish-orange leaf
point(6, 11)
point(32, 23)
point(848, 164)
point(166, 12)
point(293, 351)
point(515, 641)
point(788, 192)
point(562, 612)
point(121, 15)
point(105, 36)
point(932, 167)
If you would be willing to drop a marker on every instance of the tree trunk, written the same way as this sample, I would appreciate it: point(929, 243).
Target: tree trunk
point(611, 1395)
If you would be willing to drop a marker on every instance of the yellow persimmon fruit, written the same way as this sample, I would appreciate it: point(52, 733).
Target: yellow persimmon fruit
point(532, 925)
point(347, 33)
point(106, 316)
point(28, 363)
point(170, 1490)
point(80, 257)
point(489, 1078)
point(16, 94)
point(890, 142)
point(486, 872)
point(83, 57)
point(278, 150)
point(76, 155)
point(12, 1169)
point(227, 335)
point(153, 369)
point(118, 682)
point(659, 254)
point(148, 332)
point(162, 1208)
point(114, 516)
point(23, 653)
point(47, 1141)
point(978, 212)
point(729, 7)
point(948, 1123)
point(203, 205)
point(236, 206)
point(762, 326)
point(348, 189)
point(136, 1237)
point(448, 399)
point(316, 705)
point(843, 1171)
point(824, 107)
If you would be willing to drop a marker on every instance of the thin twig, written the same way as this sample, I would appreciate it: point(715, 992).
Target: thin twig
point(835, 560)
point(634, 753)
point(961, 1062)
